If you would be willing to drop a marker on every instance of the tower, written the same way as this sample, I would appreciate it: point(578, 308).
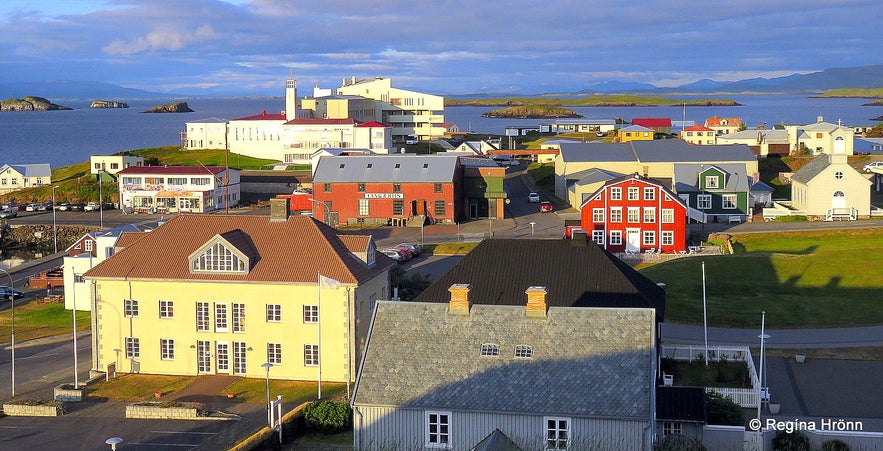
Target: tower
point(290, 97)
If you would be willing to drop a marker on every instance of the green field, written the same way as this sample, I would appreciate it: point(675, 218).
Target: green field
point(801, 280)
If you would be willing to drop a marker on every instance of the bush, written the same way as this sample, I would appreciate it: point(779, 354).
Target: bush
point(791, 218)
point(835, 445)
point(721, 411)
point(794, 441)
point(328, 417)
point(679, 442)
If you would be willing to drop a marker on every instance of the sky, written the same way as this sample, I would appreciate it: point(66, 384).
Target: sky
point(249, 47)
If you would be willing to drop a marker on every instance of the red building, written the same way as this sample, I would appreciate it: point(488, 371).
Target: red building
point(635, 214)
point(388, 189)
point(657, 124)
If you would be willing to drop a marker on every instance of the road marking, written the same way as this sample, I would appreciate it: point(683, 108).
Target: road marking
point(37, 356)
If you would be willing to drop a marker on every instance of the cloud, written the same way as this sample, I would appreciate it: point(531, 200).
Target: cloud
point(161, 39)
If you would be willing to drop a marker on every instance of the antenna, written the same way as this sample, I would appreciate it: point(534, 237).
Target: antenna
point(225, 180)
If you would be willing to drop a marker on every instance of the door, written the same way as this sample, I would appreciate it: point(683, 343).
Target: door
point(633, 240)
point(838, 200)
point(473, 211)
point(222, 357)
point(203, 357)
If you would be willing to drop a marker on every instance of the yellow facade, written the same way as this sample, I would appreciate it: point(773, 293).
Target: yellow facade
point(626, 136)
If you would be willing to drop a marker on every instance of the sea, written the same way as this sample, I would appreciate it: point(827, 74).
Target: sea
point(62, 138)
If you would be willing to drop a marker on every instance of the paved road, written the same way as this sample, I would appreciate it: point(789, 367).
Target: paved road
point(779, 338)
point(42, 364)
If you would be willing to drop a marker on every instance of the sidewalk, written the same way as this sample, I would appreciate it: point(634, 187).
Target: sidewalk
point(845, 337)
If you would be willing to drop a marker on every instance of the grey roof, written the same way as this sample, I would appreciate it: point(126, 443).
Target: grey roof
point(760, 186)
point(496, 441)
point(686, 176)
point(775, 135)
point(470, 161)
point(583, 121)
point(32, 170)
point(811, 169)
point(209, 120)
point(636, 128)
point(586, 361)
point(661, 150)
point(596, 151)
point(386, 168)
point(589, 176)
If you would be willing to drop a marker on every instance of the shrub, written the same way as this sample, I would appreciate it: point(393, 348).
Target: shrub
point(679, 442)
point(722, 411)
point(791, 218)
point(794, 441)
point(835, 445)
point(328, 417)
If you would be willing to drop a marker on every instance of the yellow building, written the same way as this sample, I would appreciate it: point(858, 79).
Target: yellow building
point(224, 294)
point(634, 133)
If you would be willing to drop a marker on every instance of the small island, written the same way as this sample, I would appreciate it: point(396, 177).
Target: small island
point(30, 103)
point(878, 118)
point(180, 107)
point(532, 112)
point(108, 104)
point(874, 103)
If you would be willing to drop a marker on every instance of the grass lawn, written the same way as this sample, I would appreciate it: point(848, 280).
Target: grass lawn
point(37, 320)
point(450, 248)
point(543, 174)
point(173, 155)
point(253, 390)
point(138, 387)
point(716, 374)
point(801, 279)
point(316, 439)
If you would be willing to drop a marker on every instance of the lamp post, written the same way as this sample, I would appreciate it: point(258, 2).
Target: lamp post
point(267, 366)
point(12, 308)
point(113, 442)
point(532, 224)
point(763, 336)
point(74, 315)
point(100, 199)
point(54, 232)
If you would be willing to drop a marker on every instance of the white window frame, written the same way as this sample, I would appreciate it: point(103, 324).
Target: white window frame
point(203, 356)
point(634, 193)
point(523, 351)
point(616, 237)
point(274, 353)
point(237, 317)
point(650, 215)
point(364, 207)
point(203, 317)
point(648, 237)
point(616, 214)
point(649, 193)
point(222, 355)
point(598, 237)
point(597, 215)
point(222, 318)
point(274, 313)
point(615, 193)
point(667, 238)
point(668, 215)
point(712, 181)
point(311, 314)
point(703, 202)
point(130, 308)
point(87, 245)
point(438, 429)
point(239, 358)
point(634, 215)
point(554, 428)
point(133, 348)
point(729, 201)
point(311, 355)
point(167, 348)
point(490, 350)
point(166, 309)
point(670, 427)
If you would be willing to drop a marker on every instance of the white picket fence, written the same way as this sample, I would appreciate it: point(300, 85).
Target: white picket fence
point(745, 397)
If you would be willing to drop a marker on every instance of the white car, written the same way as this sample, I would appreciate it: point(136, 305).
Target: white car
point(412, 140)
point(873, 164)
point(533, 198)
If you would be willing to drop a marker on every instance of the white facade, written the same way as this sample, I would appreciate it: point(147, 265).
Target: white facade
point(821, 137)
point(17, 176)
point(90, 250)
point(112, 164)
point(206, 134)
point(178, 189)
point(410, 113)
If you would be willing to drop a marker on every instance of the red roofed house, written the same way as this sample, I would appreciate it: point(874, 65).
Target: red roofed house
point(657, 124)
point(699, 135)
point(724, 125)
point(178, 189)
point(635, 214)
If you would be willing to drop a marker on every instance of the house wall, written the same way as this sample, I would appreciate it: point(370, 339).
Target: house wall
point(216, 196)
point(258, 139)
point(291, 332)
point(626, 136)
point(112, 163)
point(206, 135)
point(410, 113)
point(382, 428)
point(12, 180)
point(344, 198)
point(700, 137)
point(816, 196)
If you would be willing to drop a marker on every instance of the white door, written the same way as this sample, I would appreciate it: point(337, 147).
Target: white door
point(203, 357)
point(838, 200)
point(633, 240)
point(223, 357)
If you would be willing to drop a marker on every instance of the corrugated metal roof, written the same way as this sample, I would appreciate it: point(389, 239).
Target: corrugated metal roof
point(386, 168)
point(174, 170)
point(686, 176)
point(32, 170)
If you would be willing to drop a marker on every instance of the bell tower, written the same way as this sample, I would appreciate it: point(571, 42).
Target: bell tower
point(290, 97)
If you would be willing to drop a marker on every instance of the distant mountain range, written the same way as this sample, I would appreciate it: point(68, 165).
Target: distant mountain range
point(815, 82)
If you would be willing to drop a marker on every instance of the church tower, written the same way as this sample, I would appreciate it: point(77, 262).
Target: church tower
point(290, 97)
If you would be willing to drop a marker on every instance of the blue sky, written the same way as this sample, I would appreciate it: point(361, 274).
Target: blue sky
point(453, 46)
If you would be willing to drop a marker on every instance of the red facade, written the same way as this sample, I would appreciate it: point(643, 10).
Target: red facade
point(634, 214)
point(387, 203)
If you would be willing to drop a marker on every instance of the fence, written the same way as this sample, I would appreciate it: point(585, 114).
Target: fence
point(745, 397)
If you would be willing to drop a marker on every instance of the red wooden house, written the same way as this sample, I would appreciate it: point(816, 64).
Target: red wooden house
point(657, 124)
point(635, 214)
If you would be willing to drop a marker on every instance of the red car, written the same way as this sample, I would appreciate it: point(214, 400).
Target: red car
point(545, 206)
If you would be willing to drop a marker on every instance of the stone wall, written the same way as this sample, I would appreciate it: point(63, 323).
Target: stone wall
point(19, 410)
point(152, 411)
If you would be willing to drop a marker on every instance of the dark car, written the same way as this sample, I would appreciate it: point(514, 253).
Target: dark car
point(8, 293)
point(6, 214)
point(545, 206)
point(77, 207)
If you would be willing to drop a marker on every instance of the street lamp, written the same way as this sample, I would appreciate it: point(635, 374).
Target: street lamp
point(531, 227)
point(12, 308)
point(763, 390)
point(113, 442)
point(74, 314)
point(54, 232)
point(268, 365)
point(100, 199)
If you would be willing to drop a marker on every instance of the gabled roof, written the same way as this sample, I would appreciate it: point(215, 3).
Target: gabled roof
point(698, 128)
point(264, 116)
point(596, 152)
point(591, 176)
point(109, 233)
point(636, 128)
point(316, 250)
point(386, 168)
point(209, 120)
point(637, 178)
point(30, 170)
point(685, 404)
point(577, 273)
point(656, 151)
point(174, 170)
point(127, 238)
point(652, 121)
point(373, 124)
point(686, 176)
point(817, 165)
point(759, 186)
point(723, 122)
point(321, 121)
point(587, 362)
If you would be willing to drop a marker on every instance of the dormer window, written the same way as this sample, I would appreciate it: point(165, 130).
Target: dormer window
point(523, 351)
point(230, 252)
point(712, 181)
point(490, 350)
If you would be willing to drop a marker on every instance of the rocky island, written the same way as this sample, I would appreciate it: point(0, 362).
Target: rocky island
point(108, 104)
point(180, 107)
point(30, 103)
point(532, 112)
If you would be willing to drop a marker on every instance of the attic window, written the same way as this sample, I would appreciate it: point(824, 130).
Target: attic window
point(523, 351)
point(369, 165)
point(425, 165)
point(342, 165)
point(490, 350)
point(398, 165)
point(218, 258)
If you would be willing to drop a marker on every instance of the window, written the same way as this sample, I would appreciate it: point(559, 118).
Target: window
point(597, 215)
point(87, 245)
point(670, 427)
point(223, 357)
point(238, 317)
point(490, 350)
point(202, 317)
point(166, 309)
point(634, 192)
point(363, 207)
point(398, 207)
point(649, 215)
point(523, 351)
point(557, 433)
point(616, 214)
point(668, 238)
point(440, 209)
point(218, 257)
point(200, 181)
point(703, 201)
point(438, 434)
point(326, 187)
point(167, 348)
point(131, 180)
point(634, 214)
point(649, 238)
point(616, 237)
point(203, 356)
point(838, 175)
point(239, 357)
point(274, 353)
point(668, 215)
point(133, 348)
point(311, 355)
point(178, 181)
point(311, 314)
point(361, 187)
point(649, 193)
point(397, 187)
point(274, 313)
point(616, 193)
point(728, 201)
point(221, 318)
point(130, 308)
point(437, 188)
point(711, 181)
point(598, 237)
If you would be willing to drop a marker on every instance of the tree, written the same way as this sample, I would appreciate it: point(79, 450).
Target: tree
point(790, 441)
point(410, 285)
point(720, 410)
point(679, 442)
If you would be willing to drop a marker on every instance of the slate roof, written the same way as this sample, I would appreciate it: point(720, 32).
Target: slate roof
point(576, 273)
point(685, 404)
point(292, 251)
point(411, 168)
point(811, 169)
point(685, 177)
point(662, 150)
point(585, 362)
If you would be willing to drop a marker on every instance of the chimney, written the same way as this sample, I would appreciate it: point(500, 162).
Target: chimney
point(579, 238)
point(460, 302)
point(279, 209)
point(820, 119)
point(536, 301)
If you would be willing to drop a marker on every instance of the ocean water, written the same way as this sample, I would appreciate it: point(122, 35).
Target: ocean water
point(66, 137)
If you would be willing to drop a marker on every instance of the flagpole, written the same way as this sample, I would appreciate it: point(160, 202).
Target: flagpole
point(704, 314)
point(319, 330)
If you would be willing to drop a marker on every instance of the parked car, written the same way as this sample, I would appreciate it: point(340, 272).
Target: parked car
point(394, 254)
point(413, 248)
point(408, 251)
point(91, 206)
point(31, 207)
point(12, 206)
point(77, 207)
point(873, 164)
point(411, 140)
point(533, 198)
point(6, 214)
point(45, 206)
point(8, 293)
point(514, 162)
point(64, 206)
point(545, 206)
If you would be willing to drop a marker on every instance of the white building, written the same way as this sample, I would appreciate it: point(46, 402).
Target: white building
point(112, 164)
point(821, 137)
point(14, 177)
point(178, 189)
point(90, 250)
point(208, 133)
